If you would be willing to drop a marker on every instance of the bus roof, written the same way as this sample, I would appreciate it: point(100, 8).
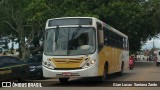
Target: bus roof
point(69, 17)
point(95, 19)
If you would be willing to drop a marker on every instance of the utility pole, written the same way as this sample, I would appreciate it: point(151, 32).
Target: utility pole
point(153, 43)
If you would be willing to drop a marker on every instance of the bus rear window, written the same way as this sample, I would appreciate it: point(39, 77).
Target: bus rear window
point(70, 21)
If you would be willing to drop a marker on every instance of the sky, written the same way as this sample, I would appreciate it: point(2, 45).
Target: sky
point(15, 45)
point(149, 44)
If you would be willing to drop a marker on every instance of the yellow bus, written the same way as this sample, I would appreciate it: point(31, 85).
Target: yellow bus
point(83, 47)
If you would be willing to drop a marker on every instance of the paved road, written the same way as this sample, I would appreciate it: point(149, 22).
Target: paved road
point(143, 71)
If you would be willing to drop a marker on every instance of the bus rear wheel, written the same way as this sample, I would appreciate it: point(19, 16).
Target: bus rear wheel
point(122, 69)
point(63, 80)
point(157, 63)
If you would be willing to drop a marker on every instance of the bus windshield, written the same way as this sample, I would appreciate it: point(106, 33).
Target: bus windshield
point(70, 41)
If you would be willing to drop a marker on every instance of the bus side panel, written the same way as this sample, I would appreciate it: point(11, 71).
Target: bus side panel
point(126, 59)
point(113, 56)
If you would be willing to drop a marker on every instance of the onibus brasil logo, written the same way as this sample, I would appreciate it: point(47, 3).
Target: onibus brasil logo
point(13, 84)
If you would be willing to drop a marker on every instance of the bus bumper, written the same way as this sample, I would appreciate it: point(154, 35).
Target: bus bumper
point(86, 72)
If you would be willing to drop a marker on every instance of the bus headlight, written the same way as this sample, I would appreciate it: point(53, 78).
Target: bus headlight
point(47, 64)
point(89, 63)
point(92, 62)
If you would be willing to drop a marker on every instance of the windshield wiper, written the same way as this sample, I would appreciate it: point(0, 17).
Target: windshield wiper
point(76, 32)
point(73, 37)
point(56, 33)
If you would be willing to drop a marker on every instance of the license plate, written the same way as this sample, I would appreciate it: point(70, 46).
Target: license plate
point(66, 74)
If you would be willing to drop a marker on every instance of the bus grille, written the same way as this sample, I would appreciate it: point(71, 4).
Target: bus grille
point(68, 63)
point(66, 68)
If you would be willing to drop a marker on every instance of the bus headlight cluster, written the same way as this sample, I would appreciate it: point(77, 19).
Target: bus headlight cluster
point(89, 63)
point(47, 64)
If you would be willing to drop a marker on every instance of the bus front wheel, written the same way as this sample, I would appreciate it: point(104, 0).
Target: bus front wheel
point(63, 80)
point(105, 74)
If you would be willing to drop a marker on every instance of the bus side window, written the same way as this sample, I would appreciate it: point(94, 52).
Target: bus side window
point(121, 42)
point(159, 53)
point(126, 44)
point(116, 40)
point(106, 36)
point(110, 38)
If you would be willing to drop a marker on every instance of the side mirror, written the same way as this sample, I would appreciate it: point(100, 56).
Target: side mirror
point(100, 37)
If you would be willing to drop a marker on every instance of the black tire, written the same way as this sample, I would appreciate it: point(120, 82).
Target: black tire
point(104, 77)
point(157, 63)
point(21, 79)
point(23, 76)
point(131, 67)
point(63, 80)
point(120, 73)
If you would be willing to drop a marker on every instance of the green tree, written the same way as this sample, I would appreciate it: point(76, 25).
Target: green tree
point(25, 19)
point(139, 19)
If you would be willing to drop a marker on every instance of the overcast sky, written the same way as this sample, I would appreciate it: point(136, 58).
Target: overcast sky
point(15, 45)
point(149, 44)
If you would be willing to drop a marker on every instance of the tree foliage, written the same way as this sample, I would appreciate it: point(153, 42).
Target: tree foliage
point(139, 19)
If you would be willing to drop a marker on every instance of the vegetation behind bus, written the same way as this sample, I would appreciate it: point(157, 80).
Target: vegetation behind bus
point(138, 19)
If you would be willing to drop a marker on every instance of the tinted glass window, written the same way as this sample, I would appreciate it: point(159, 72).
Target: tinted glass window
point(35, 59)
point(70, 21)
point(106, 36)
point(14, 60)
point(9, 60)
point(70, 41)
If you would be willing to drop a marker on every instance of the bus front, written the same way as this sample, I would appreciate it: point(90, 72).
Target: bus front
point(70, 48)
